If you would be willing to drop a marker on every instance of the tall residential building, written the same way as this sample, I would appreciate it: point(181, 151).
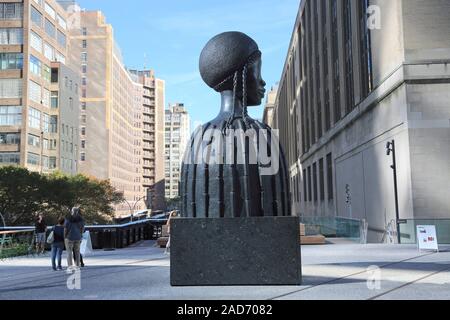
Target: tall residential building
point(355, 80)
point(153, 180)
point(111, 110)
point(177, 135)
point(38, 109)
point(269, 107)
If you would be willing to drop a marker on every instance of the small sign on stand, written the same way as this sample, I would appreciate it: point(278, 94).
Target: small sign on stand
point(427, 238)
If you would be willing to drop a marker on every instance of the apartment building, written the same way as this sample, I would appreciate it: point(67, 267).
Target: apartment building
point(111, 144)
point(153, 180)
point(358, 76)
point(177, 135)
point(33, 42)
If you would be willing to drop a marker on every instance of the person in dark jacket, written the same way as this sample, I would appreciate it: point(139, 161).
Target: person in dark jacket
point(73, 234)
point(40, 231)
point(58, 243)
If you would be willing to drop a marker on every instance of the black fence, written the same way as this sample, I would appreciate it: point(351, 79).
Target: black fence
point(118, 236)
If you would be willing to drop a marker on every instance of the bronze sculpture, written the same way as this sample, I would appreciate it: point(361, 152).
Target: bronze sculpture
point(231, 63)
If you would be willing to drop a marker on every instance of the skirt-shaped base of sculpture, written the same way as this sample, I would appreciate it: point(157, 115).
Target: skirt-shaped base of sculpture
point(235, 252)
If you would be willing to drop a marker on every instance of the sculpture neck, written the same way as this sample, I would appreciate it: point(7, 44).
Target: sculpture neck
point(227, 104)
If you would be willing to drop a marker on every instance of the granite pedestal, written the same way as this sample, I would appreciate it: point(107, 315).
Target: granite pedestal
point(235, 251)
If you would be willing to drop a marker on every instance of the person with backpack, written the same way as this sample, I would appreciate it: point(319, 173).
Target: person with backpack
point(57, 244)
point(73, 234)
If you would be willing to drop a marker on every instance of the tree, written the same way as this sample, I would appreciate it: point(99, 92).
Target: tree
point(24, 194)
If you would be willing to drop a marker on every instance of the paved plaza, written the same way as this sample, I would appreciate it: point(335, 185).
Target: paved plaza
point(333, 271)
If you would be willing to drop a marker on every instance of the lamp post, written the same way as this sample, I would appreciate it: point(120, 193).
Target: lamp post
point(132, 208)
point(390, 149)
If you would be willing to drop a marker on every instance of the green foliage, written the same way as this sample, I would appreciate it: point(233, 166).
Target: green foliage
point(25, 194)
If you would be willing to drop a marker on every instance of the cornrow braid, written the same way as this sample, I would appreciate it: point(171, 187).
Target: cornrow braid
point(233, 113)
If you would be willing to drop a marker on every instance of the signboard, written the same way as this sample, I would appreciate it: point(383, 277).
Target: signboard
point(427, 238)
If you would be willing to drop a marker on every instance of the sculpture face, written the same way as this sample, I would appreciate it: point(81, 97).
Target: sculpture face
point(256, 86)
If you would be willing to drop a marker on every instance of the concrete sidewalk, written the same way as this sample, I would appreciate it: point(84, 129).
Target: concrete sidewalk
point(334, 271)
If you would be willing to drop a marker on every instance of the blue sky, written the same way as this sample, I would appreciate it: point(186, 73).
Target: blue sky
point(168, 37)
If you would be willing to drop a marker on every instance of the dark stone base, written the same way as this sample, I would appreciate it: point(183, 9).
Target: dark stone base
point(237, 251)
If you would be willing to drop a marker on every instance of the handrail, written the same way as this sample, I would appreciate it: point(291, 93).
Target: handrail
point(14, 232)
point(106, 226)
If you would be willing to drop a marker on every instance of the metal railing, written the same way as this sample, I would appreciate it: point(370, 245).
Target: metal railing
point(114, 236)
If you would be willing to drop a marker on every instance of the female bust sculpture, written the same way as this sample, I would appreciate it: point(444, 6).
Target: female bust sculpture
point(214, 182)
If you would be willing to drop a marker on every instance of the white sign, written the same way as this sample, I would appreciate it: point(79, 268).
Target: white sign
point(426, 238)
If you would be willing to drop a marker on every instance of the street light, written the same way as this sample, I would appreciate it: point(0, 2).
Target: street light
point(132, 208)
point(390, 149)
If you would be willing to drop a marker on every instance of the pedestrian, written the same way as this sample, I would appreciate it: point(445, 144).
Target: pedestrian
point(73, 234)
point(40, 231)
point(58, 244)
point(81, 258)
point(173, 214)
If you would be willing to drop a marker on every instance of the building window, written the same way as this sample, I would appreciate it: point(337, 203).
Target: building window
point(83, 156)
point(366, 50)
point(84, 57)
point(52, 163)
point(315, 182)
point(84, 44)
point(10, 116)
point(59, 57)
point(54, 100)
point(330, 187)
point(84, 81)
point(36, 16)
point(62, 39)
point(84, 31)
point(35, 92)
point(310, 197)
point(335, 59)
point(83, 144)
point(83, 106)
point(45, 98)
point(35, 66)
point(83, 119)
point(34, 141)
point(51, 12)
point(305, 187)
point(348, 45)
point(62, 22)
point(35, 41)
point(46, 73)
point(50, 28)
point(13, 158)
point(33, 159)
point(9, 138)
point(45, 123)
point(11, 61)
point(34, 118)
point(321, 180)
point(84, 69)
point(54, 124)
point(11, 11)
point(49, 52)
point(13, 36)
point(83, 131)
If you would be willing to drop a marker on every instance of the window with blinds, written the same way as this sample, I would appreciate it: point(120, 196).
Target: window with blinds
point(10, 88)
point(49, 52)
point(11, 61)
point(13, 36)
point(11, 11)
point(35, 92)
point(46, 97)
point(10, 115)
point(35, 41)
point(34, 118)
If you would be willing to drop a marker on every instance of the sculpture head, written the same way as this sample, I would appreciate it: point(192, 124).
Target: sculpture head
point(232, 61)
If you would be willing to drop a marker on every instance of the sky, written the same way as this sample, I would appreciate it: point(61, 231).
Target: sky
point(168, 37)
